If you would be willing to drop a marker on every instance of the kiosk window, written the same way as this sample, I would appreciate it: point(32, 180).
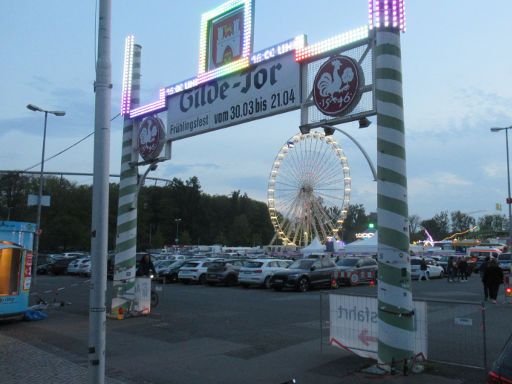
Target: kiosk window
point(10, 263)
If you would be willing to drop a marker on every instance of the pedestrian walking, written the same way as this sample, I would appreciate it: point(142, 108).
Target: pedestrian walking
point(481, 271)
point(463, 269)
point(423, 270)
point(493, 277)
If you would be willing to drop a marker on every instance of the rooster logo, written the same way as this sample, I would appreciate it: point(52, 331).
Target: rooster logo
point(337, 85)
point(150, 134)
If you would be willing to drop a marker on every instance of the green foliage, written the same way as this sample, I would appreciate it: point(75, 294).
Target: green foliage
point(355, 222)
point(229, 220)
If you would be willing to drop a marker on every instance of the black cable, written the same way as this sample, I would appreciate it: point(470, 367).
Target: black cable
point(68, 148)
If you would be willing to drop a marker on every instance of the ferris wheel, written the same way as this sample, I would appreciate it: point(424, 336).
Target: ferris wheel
point(309, 189)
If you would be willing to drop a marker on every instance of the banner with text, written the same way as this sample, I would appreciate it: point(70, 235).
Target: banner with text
point(354, 325)
point(262, 90)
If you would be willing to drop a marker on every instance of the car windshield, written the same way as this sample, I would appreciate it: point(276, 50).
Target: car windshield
point(301, 264)
point(176, 264)
point(347, 262)
point(253, 264)
point(190, 264)
point(505, 256)
point(217, 264)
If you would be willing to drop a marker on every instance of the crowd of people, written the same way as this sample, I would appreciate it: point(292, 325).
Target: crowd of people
point(490, 273)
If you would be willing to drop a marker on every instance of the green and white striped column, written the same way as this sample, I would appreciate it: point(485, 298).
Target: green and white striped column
point(395, 306)
point(126, 240)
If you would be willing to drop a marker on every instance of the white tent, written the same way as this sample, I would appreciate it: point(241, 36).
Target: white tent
point(363, 246)
point(314, 247)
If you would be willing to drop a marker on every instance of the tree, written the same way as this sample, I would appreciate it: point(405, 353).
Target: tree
point(461, 222)
point(438, 227)
point(415, 228)
point(492, 225)
point(355, 222)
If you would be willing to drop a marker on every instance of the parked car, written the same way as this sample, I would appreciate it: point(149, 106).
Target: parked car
point(75, 265)
point(355, 270)
point(85, 268)
point(504, 261)
point(60, 264)
point(259, 271)
point(501, 371)
point(74, 255)
point(304, 274)
point(224, 271)
point(43, 264)
point(194, 270)
point(170, 273)
point(433, 270)
point(162, 265)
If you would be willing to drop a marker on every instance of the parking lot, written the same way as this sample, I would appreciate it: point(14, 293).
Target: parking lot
point(203, 334)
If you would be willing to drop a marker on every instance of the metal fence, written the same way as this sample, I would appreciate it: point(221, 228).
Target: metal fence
point(459, 333)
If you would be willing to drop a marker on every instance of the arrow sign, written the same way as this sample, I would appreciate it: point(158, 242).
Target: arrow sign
point(365, 338)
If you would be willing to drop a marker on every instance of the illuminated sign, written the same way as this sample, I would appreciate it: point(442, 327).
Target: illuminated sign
point(265, 89)
point(364, 235)
point(226, 38)
point(222, 31)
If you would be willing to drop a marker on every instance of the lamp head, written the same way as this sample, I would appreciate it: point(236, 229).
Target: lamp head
point(34, 108)
point(364, 122)
point(304, 129)
point(329, 131)
point(58, 113)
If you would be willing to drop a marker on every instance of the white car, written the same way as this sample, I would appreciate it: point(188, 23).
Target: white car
point(193, 271)
point(85, 268)
point(75, 265)
point(433, 270)
point(259, 271)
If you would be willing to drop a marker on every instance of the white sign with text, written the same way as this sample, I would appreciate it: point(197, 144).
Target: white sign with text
point(354, 325)
point(261, 90)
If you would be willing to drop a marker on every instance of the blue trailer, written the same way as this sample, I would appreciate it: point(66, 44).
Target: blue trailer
point(16, 244)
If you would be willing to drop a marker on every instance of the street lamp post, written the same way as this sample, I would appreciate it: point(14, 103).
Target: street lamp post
point(35, 108)
point(509, 199)
point(177, 240)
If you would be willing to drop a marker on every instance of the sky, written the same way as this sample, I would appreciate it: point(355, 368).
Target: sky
point(456, 64)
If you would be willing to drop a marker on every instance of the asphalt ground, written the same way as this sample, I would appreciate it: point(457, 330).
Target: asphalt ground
point(202, 334)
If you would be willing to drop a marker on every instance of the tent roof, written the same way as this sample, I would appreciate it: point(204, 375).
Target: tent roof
point(368, 245)
point(314, 246)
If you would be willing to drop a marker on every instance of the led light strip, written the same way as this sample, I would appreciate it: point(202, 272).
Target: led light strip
point(154, 107)
point(331, 43)
point(387, 13)
point(126, 92)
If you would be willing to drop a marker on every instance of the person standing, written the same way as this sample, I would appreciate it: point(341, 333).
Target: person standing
point(463, 269)
point(449, 269)
point(423, 270)
point(493, 277)
point(481, 271)
point(146, 267)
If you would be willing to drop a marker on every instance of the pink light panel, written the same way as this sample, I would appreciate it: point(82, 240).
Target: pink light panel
point(387, 14)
